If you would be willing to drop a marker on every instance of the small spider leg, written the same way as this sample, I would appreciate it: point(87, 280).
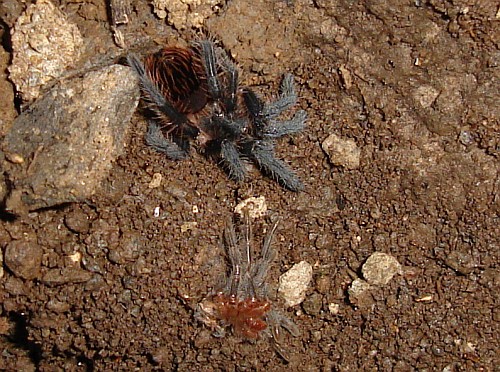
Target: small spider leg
point(247, 248)
point(276, 129)
point(267, 257)
point(153, 93)
point(263, 154)
point(235, 258)
point(279, 321)
point(232, 161)
point(155, 138)
point(287, 99)
point(210, 65)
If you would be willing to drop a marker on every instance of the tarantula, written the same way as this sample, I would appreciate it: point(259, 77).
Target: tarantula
point(193, 93)
point(241, 301)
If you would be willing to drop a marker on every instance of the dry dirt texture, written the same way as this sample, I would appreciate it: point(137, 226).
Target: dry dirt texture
point(108, 285)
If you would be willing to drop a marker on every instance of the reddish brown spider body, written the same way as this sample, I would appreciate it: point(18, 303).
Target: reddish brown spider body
point(247, 317)
point(178, 73)
point(242, 302)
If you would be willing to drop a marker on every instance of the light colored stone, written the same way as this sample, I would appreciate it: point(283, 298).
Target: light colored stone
point(294, 283)
point(155, 181)
point(425, 95)
point(184, 14)
point(256, 206)
point(44, 45)
point(342, 152)
point(380, 268)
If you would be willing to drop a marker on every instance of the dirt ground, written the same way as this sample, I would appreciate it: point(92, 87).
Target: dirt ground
point(414, 85)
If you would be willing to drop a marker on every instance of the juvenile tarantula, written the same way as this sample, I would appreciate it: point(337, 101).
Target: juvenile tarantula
point(241, 301)
point(193, 93)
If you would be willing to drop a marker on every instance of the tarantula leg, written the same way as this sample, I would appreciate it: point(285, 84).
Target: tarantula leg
point(281, 321)
point(267, 257)
point(235, 258)
point(153, 94)
point(232, 160)
point(287, 99)
point(263, 154)
point(255, 107)
point(210, 65)
point(277, 129)
point(155, 138)
point(230, 100)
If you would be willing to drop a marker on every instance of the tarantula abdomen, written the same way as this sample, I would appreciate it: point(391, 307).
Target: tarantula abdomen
point(192, 94)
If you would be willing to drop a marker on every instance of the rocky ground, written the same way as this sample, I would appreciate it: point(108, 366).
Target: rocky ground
point(108, 247)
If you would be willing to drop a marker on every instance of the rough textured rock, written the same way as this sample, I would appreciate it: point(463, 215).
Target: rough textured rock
point(23, 258)
point(379, 268)
point(70, 137)
point(186, 13)
point(65, 275)
point(294, 283)
point(44, 44)
point(256, 206)
point(341, 151)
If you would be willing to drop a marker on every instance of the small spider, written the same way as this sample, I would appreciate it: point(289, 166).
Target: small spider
point(193, 93)
point(241, 302)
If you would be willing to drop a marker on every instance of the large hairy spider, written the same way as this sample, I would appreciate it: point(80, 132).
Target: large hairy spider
point(241, 301)
point(193, 93)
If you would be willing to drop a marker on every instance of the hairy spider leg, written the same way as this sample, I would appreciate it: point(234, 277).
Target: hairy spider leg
point(156, 139)
point(268, 254)
point(263, 153)
point(247, 248)
point(235, 258)
point(255, 107)
point(153, 93)
point(154, 136)
point(288, 98)
point(230, 98)
point(276, 129)
point(210, 65)
point(232, 161)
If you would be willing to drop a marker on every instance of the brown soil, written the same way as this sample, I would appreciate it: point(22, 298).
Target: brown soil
point(416, 86)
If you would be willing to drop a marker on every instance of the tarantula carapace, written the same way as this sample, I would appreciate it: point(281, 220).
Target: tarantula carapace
point(193, 93)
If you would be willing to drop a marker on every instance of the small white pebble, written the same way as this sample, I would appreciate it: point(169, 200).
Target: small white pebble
point(379, 268)
point(155, 181)
point(334, 308)
point(294, 283)
point(427, 298)
point(156, 212)
point(14, 158)
point(256, 206)
point(75, 257)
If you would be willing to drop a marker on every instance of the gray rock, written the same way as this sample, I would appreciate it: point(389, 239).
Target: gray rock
point(69, 138)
